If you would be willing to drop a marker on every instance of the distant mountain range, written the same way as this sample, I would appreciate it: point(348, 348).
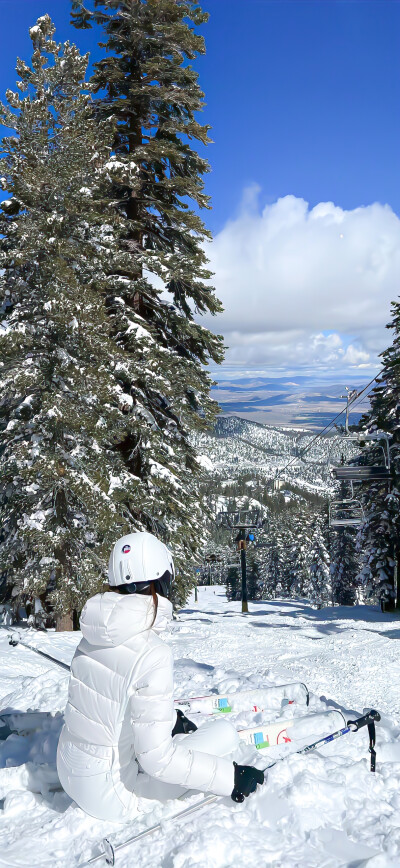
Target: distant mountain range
point(300, 402)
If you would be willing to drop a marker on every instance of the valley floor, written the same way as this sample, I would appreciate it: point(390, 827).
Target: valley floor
point(324, 810)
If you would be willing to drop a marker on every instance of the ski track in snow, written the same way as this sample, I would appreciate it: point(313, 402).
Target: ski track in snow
point(324, 810)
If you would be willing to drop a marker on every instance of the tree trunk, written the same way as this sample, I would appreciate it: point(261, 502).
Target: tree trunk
point(65, 622)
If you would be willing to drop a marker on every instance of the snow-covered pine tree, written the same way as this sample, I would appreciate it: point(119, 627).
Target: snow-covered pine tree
point(70, 393)
point(288, 556)
point(272, 572)
point(288, 559)
point(298, 554)
point(223, 556)
point(61, 412)
point(320, 587)
point(377, 543)
point(147, 86)
point(254, 586)
point(272, 569)
point(379, 537)
point(344, 565)
point(233, 584)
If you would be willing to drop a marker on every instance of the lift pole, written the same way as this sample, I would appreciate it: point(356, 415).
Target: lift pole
point(244, 521)
point(242, 546)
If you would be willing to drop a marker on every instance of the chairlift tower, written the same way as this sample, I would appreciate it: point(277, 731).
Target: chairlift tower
point(244, 522)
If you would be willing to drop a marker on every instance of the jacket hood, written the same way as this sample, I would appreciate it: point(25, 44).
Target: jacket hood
point(111, 619)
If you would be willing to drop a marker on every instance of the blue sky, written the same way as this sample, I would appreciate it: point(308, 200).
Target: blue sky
point(303, 98)
point(302, 95)
point(307, 95)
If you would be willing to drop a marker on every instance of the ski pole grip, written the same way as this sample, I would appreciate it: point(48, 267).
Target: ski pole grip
point(371, 716)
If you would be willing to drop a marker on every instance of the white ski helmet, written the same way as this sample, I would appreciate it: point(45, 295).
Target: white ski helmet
point(138, 559)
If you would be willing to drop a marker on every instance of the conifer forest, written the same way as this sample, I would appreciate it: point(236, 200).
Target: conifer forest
point(107, 420)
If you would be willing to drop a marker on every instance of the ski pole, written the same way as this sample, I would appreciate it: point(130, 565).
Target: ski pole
point(14, 642)
point(352, 726)
point(109, 850)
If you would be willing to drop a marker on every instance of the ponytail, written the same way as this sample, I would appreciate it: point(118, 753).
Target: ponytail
point(155, 601)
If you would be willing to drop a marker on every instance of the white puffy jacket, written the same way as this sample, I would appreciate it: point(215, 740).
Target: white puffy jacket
point(120, 709)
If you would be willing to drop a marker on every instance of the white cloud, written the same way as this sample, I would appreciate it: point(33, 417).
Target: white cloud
point(306, 287)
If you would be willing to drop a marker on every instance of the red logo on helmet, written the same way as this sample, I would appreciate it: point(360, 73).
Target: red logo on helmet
point(126, 549)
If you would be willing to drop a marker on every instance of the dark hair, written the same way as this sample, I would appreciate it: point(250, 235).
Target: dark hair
point(155, 601)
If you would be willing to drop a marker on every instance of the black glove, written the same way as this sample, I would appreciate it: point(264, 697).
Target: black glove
point(183, 724)
point(246, 780)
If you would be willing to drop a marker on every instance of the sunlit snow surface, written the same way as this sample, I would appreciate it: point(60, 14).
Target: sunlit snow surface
point(323, 810)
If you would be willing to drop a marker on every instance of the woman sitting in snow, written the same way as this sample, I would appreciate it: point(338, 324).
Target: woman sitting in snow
point(122, 737)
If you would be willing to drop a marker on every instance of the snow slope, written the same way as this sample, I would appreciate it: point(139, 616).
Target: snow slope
point(324, 810)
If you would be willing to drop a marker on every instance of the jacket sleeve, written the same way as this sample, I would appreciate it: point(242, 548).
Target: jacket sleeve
point(153, 717)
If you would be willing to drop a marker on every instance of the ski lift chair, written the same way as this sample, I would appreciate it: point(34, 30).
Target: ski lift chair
point(361, 473)
point(243, 519)
point(349, 511)
point(346, 513)
point(365, 472)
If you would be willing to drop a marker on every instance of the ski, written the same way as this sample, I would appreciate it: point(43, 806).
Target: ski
point(292, 729)
point(261, 699)
point(261, 736)
point(257, 699)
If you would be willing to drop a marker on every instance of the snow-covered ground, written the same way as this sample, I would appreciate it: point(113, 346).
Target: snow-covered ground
point(323, 810)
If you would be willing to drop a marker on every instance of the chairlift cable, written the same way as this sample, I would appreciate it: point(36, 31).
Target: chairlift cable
point(320, 433)
point(263, 448)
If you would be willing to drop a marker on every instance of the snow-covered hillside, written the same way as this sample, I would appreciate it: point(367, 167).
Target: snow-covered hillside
point(236, 446)
point(324, 810)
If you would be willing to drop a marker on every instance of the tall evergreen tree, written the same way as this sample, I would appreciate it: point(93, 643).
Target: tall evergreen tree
point(272, 584)
point(378, 544)
point(288, 558)
point(344, 565)
point(320, 587)
point(254, 585)
point(61, 410)
point(298, 555)
point(233, 584)
point(379, 537)
point(272, 572)
point(148, 87)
